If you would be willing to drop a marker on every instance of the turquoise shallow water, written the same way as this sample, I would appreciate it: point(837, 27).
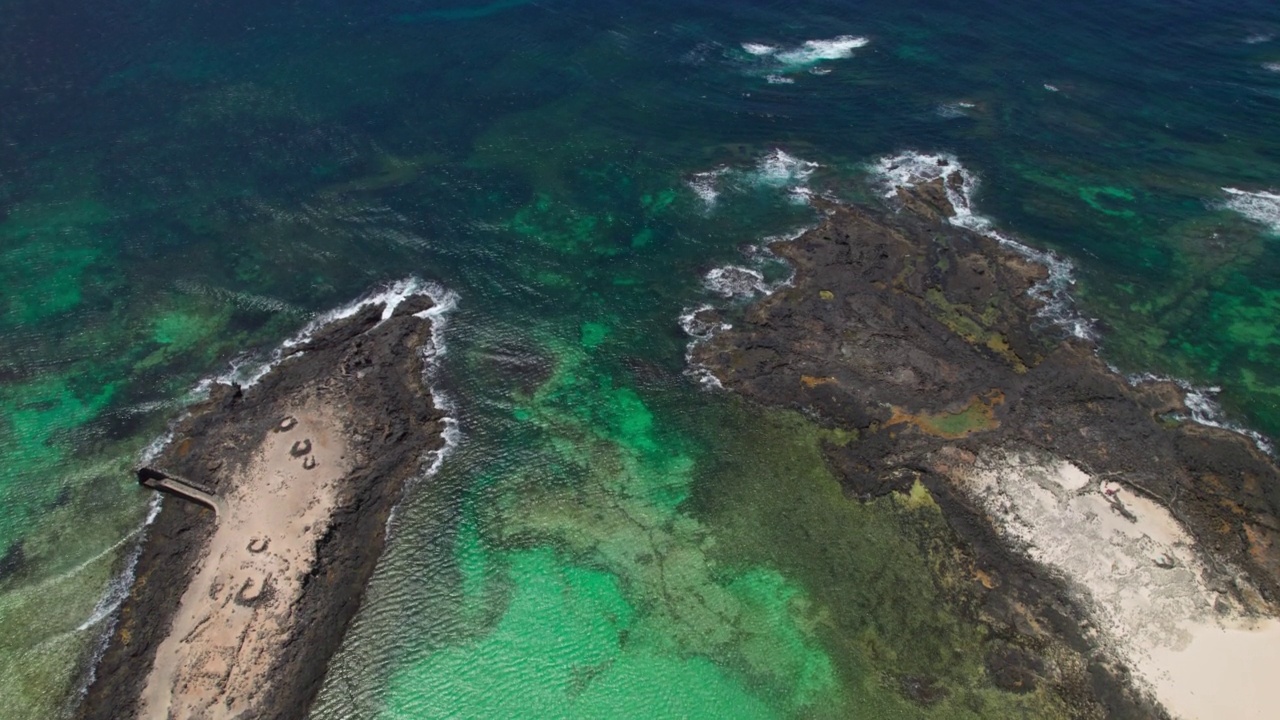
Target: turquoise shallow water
point(184, 183)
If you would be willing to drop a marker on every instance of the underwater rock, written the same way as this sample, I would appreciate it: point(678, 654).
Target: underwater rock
point(14, 559)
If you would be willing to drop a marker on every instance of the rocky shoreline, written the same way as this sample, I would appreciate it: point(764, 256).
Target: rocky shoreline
point(1095, 515)
point(356, 389)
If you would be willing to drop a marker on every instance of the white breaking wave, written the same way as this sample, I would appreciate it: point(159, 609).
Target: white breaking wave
point(706, 185)
point(445, 302)
point(1272, 66)
point(1260, 207)
point(1256, 38)
point(813, 51)
point(780, 169)
point(777, 169)
point(808, 53)
point(247, 370)
point(117, 590)
point(390, 296)
point(779, 80)
point(1202, 408)
point(911, 168)
point(733, 281)
point(155, 447)
point(1206, 411)
point(700, 331)
point(737, 283)
point(759, 49)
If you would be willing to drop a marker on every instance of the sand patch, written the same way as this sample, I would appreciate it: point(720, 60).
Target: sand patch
point(236, 614)
point(1156, 606)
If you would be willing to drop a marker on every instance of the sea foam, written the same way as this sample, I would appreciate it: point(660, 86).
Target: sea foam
point(733, 281)
point(1261, 207)
point(776, 169)
point(759, 49)
point(700, 330)
point(1202, 407)
point(706, 185)
point(911, 168)
point(780, 169)
point(246, 370)
point(813, 51)
point(805, 55)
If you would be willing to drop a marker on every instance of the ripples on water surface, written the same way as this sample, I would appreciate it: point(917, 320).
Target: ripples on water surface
point(182, 183)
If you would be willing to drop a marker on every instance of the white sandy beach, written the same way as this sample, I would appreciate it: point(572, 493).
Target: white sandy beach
point(1198, 652)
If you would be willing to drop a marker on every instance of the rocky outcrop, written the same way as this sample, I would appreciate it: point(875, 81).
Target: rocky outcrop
point(366, 372)
point(923, 337)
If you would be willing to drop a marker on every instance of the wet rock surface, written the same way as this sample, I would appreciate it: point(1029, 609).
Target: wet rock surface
point(922, 337)
point(369, 372)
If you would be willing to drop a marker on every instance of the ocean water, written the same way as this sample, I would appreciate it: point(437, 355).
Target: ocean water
point(184, 185)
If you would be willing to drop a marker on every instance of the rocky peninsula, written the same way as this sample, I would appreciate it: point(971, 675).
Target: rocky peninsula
point(1101, 525)
point(240, 598)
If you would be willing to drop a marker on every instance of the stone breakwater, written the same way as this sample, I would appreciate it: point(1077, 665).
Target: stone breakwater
point(235, 613)
point(1124, 557)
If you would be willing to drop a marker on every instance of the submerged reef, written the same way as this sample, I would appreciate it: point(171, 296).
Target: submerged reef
point(1104, 533)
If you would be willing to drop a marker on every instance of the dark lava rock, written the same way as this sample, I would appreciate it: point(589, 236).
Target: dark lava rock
point(14, 559)
point(1014, 669)
point(922, 337)
point(370, 371)
point(413, 305)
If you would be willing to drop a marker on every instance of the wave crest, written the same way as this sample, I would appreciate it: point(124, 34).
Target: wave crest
point(1261, 207)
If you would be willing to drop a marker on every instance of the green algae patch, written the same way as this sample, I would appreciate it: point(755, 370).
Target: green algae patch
point(873, 595)
point(1250, 319)
point(35, 421)
point(917, 498)
point(43, 281)
point(592, 334)
point(659, 202)
point(642, 239)
point(560, 227)
point(1108, 200)
point(974, 327)
point(976, 416)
